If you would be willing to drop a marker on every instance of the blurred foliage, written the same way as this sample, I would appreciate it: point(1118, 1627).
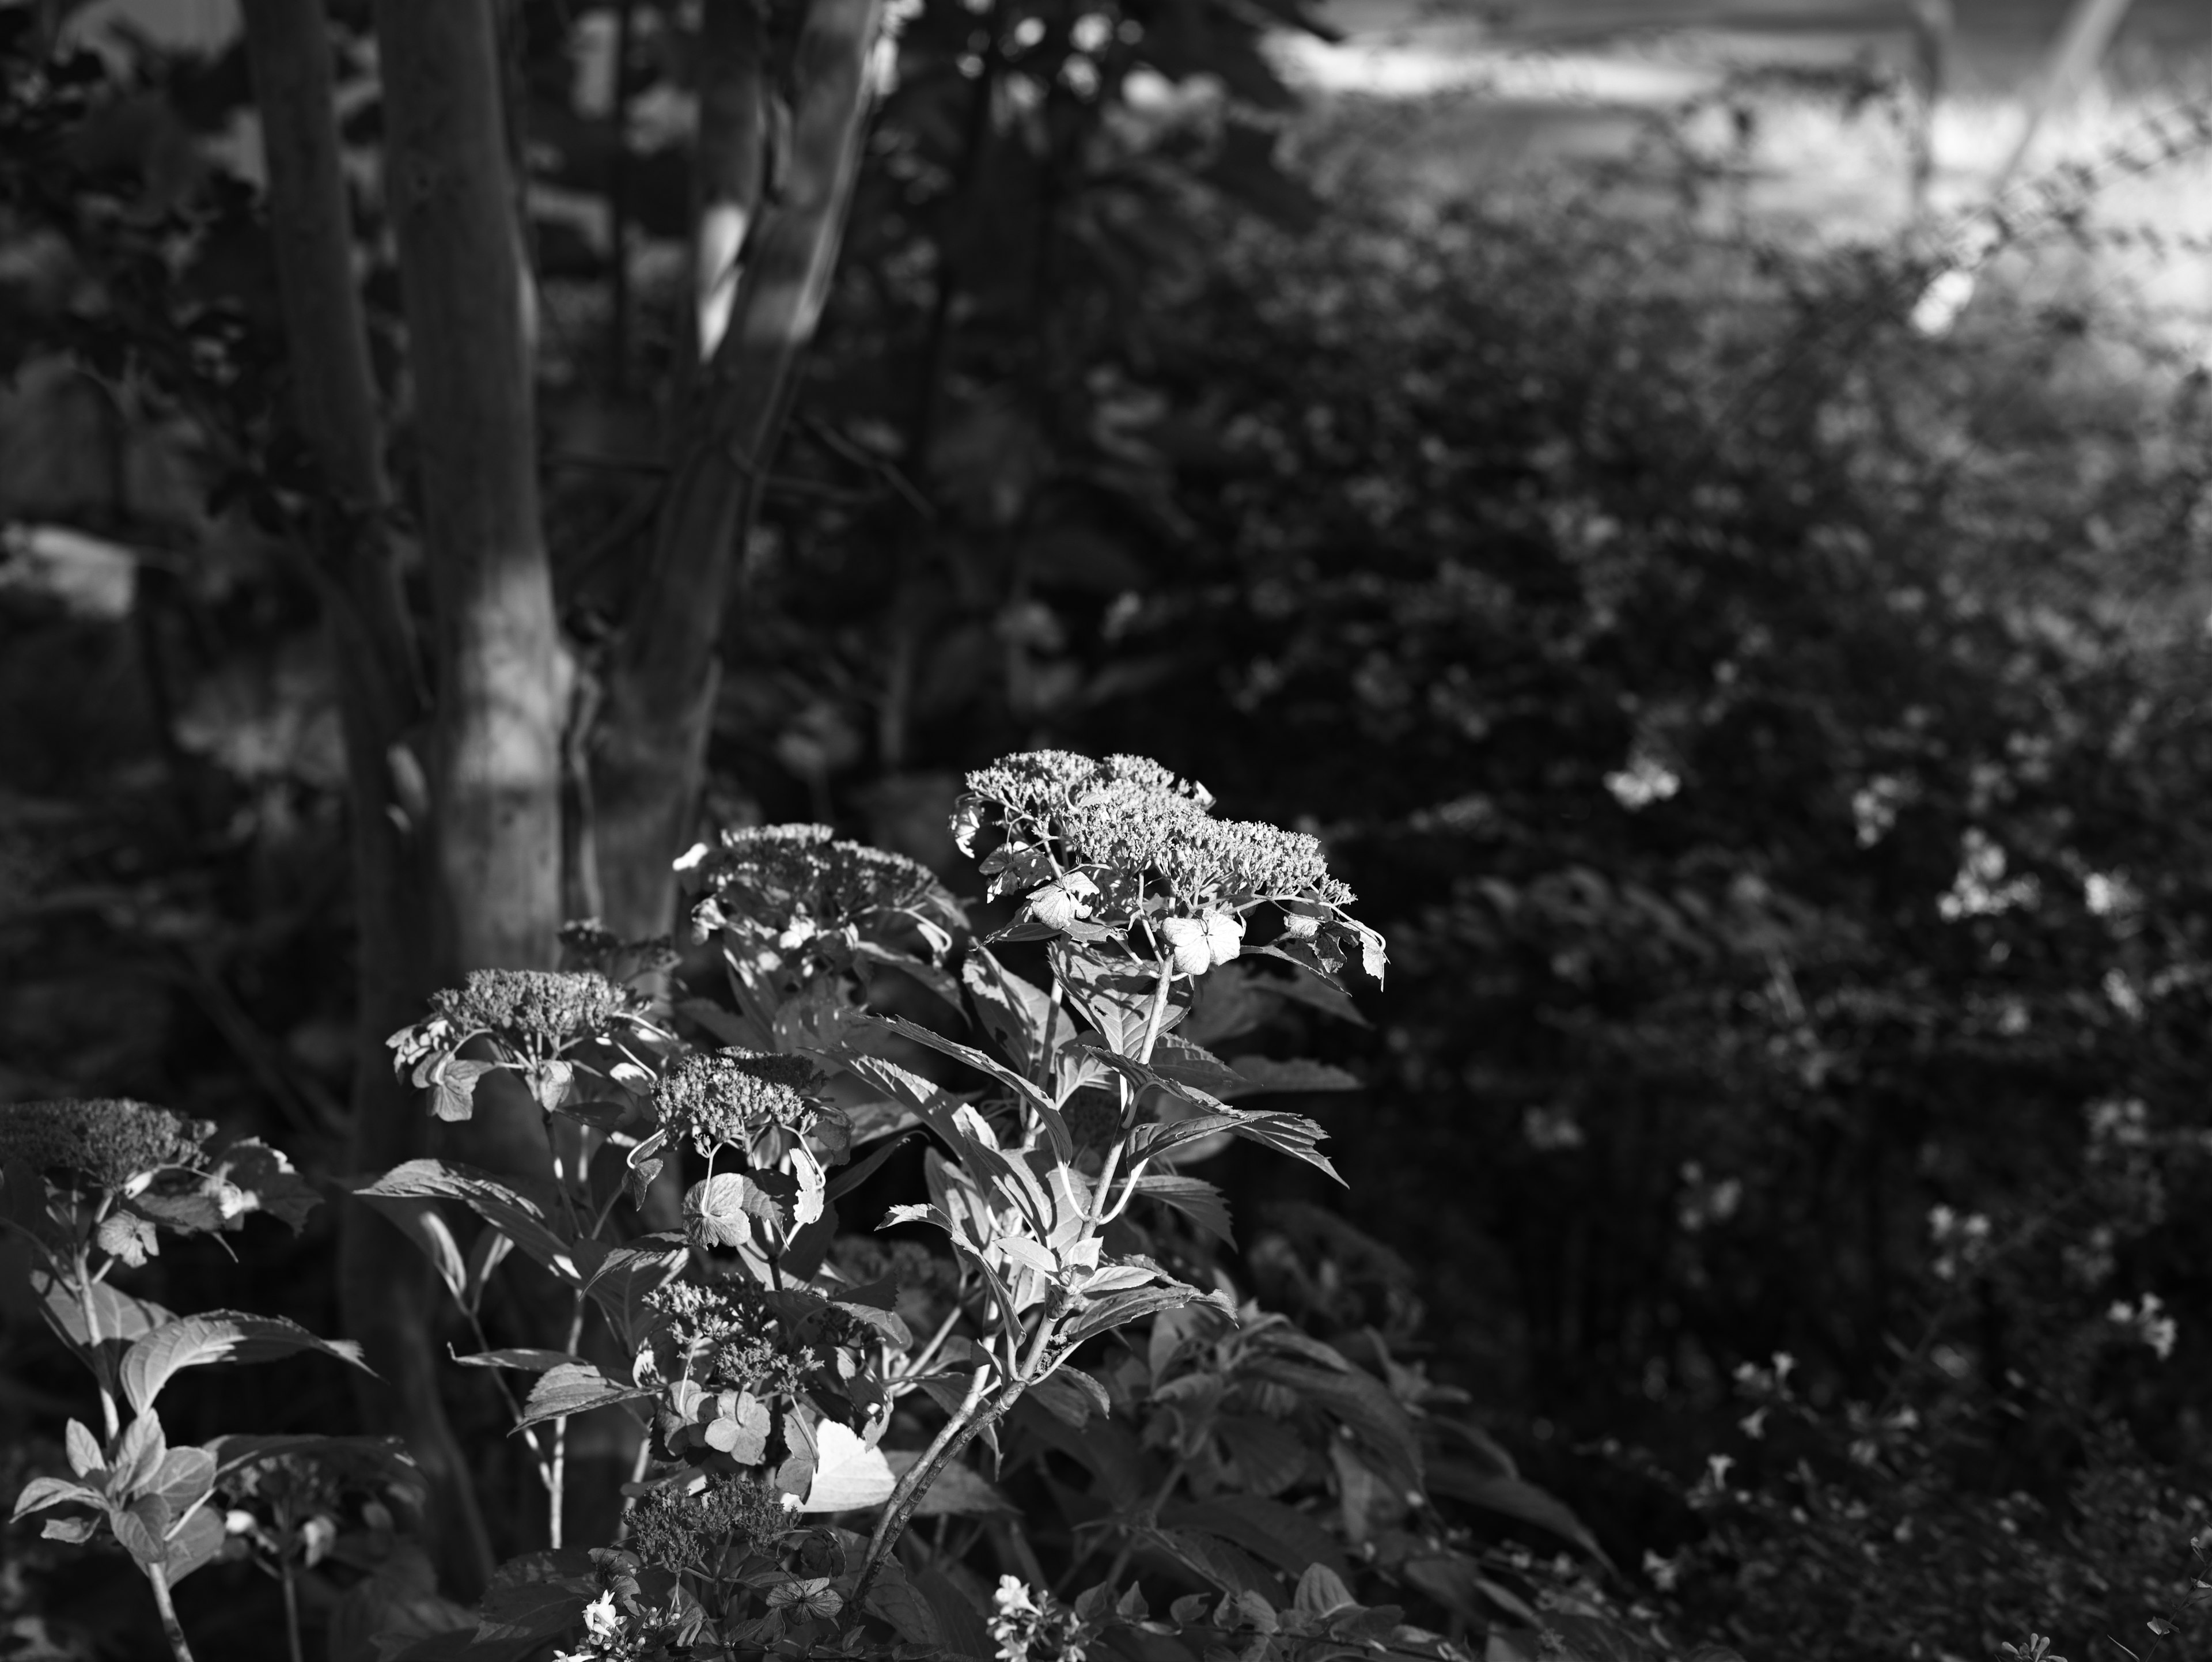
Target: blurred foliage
point(1771, 739)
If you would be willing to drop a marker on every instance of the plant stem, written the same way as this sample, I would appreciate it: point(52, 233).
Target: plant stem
point(556, 1476)
point(292, 1613)
point(973, 1415)
point(107, 1414)
point(157, 1577)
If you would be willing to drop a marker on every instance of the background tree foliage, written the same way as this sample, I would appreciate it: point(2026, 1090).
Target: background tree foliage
point(1769, 738)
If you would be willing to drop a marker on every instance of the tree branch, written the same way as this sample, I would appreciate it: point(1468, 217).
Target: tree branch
point(651, 748)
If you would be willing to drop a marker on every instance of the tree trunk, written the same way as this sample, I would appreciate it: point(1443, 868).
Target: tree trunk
point(386, 1294)
point(495, 764)
point(649, 750)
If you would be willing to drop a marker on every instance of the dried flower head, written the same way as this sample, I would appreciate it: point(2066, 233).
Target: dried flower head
point(762, 1104)
point(679, 1530)
point(111, 1141)
point(536, 1011)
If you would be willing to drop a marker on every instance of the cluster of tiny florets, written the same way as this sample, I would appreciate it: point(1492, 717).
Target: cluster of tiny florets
point(535, 1010)
point(677, 1530)
point(1033, 1627)
point(730, 1337)
point(762, 1104)
point(109, 1140)
point(1127, 814)
point(773, 873)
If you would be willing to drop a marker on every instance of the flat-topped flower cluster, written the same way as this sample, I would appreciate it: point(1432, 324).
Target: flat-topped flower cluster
point(111, 1141)
point(763, 1105)
point(1094, 846)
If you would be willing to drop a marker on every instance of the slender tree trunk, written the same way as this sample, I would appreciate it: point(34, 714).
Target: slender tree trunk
point(649, 751)
point(384, 1291)
point(495, 767)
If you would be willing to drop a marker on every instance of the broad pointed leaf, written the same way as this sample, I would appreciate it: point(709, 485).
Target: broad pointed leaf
point(220, 1335)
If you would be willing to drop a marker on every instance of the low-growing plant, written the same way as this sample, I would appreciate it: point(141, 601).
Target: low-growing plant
point(1172, 1472)
point(90, 1187)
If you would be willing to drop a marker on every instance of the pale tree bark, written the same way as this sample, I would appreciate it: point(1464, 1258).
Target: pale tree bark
point(649, 750)
point(386, 1292)
point(495, 758)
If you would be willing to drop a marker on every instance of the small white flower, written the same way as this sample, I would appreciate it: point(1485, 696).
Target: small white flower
point(600, 1620)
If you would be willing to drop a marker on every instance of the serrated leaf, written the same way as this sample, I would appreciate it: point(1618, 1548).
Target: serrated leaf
point(1032, 1095)
point(496, 1200)
point(1027, 1026)
point(629, 1276)
point(220, 1335)
point(1120, 1309)
point(1196, 1199)
point(119, 1319)
point(1288, 1134)
point(574, 1388)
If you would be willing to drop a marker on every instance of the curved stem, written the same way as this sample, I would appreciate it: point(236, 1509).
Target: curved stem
point(974, 1414)
point(157, 1577)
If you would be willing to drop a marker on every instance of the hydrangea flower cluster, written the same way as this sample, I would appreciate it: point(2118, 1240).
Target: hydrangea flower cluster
point(1093, 846)
point(735, 1334)
point(112, 1141)
point(763, 1105)
point(537, 1012)
point(803, 878)
point(678, 1527)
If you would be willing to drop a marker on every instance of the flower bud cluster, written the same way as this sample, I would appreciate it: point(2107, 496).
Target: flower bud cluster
point(111, 1141)
point(772, 874)
point(764, 1105)
point(536, 1011)
point(1128, 817)
point(677, 1530)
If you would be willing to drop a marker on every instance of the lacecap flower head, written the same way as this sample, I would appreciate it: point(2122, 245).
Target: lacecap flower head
point(762, 1104)
point(112, 1141)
